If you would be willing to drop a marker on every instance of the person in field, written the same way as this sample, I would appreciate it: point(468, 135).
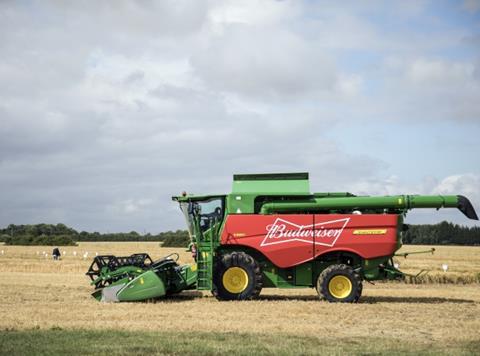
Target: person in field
point(56, 253)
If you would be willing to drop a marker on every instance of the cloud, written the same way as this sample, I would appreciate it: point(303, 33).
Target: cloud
point(468, 184)
point(253, 12)
point(425, 89)
point(131, 206)
point(434, 73)
point(252, 61)
point(107, 112)
point(471, 5)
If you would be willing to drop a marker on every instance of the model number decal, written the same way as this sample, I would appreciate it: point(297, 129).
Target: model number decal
point(370, 232)
point(239, 234)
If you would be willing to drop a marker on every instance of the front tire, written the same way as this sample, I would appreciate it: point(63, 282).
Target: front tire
point(237, 276)
point(339, 284)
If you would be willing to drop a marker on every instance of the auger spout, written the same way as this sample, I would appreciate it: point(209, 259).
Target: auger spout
point(466, 207)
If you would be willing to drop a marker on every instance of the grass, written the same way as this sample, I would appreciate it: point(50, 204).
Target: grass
point(46, 308)
point(111, 342)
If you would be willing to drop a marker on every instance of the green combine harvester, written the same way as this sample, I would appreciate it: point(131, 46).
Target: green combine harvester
point(272, 232)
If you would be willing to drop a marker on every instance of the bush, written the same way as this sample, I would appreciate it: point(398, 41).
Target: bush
point(178, 238)
point(43, 240)
point(26, 232)
point(444, 233)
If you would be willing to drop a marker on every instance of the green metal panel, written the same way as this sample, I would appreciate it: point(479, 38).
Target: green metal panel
point(145, 286)
point(370, 268)
point(284, 183)
point(240, 203)
point(278, 277)
point(286, 277)
point(270, 275)
point(303, 274)
point(189, 275)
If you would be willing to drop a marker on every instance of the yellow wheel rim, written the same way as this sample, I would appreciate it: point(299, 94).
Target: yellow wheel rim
point(340, 287)
point(235, 280)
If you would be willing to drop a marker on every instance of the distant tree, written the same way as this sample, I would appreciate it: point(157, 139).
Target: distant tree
point(45, 240)
point(179, 238)
point(444, 233)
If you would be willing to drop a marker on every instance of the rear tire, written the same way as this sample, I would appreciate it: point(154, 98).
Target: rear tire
point(237, 276)
point(339, 284)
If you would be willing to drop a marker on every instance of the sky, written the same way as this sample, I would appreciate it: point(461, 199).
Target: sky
point(109, 108)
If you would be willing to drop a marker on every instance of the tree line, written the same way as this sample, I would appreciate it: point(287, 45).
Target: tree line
point(60, 234)
point(444, 233)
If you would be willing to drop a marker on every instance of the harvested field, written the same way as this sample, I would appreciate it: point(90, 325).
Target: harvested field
point(463, 264)
point(38, 295)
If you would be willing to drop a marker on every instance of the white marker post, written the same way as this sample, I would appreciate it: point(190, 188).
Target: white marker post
point(445, 267)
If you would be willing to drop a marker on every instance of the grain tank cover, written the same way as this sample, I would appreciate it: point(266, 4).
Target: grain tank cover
point(284, 183)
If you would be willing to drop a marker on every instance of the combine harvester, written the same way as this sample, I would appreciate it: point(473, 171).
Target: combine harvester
point(272, 232)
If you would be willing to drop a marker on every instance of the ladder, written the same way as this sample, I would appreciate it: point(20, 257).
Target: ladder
point(205, 246)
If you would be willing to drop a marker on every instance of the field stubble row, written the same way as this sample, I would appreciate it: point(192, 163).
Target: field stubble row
point(463, 261)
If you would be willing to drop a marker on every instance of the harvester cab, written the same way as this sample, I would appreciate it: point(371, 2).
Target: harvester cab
point(204, 216)
point(203, 213)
